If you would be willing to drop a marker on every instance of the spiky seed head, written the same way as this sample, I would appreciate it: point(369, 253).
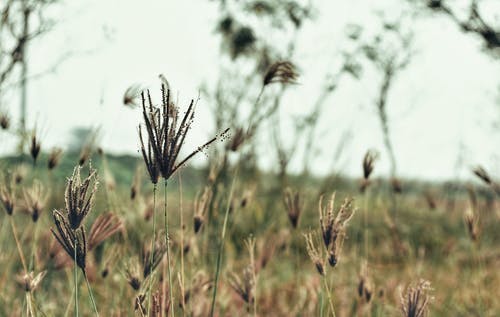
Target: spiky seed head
point(4, 121)
point(54, 158)
point(314, 254)
point(293, 205)
point(79, 196)
point(103, 227)
point(35, 146)
point(369, 163)
point(201, 205)
point(131, 96)
point(35, 199)
point(7, 195)
point(416, 299)
point(71, 240)
point(482, 174)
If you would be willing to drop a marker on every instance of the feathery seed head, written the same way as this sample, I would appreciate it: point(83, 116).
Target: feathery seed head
point(54, 158)
point(70, 239)
point(29, 281)
point(415, 301)
point(34, 200)
point(7, 194)
point(293, 205)
point(281, 72)
point(314, 253)
point(79, 196)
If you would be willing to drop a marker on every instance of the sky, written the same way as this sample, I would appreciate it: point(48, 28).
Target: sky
point(442, 107)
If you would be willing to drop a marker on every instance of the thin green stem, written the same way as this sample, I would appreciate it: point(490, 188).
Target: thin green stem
point(76, 279)
point(152, 245)
point(167, 241)
point(365, 224)
point(221, 245)
point(182, 242)
point(94, 306)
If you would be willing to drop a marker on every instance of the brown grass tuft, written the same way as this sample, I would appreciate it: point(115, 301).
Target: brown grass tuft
point(415, 301)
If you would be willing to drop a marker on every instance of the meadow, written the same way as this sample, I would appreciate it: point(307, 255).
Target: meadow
point(93, 233)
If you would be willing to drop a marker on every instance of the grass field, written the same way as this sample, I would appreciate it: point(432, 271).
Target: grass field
point(393, 240)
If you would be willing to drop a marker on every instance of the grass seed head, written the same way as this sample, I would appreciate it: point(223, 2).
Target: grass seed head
point(314, 254)
point(415, 301)
point(79, 196)
point(7, 194)
point(4, 121)
point(29, 282)
point(283, 72)
point(35, 146)
point(369, 163)
point(293, 205)
point(70, 239)
point(54, 158)
point(35, 199)
point(166, 133)
point(103, 227)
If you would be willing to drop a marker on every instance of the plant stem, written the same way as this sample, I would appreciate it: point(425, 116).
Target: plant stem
point(94, 306)
point(329, 296)
point(76, 279)
point(221, 244)
point(33, 248)
point(182, 243)
point(167, 241)
point(14, 232)
point(152, 245)
point(365, 220)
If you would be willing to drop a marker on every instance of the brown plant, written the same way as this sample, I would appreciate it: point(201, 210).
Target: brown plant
point(34, 200)
point(293, 205)
point(166, 135)
point(415, 301)
point(54, 158)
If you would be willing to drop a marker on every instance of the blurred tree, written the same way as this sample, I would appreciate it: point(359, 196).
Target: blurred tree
point(476, 20)
point(21, 21)
point(389, 51)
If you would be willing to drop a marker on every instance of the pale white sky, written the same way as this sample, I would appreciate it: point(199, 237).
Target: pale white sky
point(444, 98)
